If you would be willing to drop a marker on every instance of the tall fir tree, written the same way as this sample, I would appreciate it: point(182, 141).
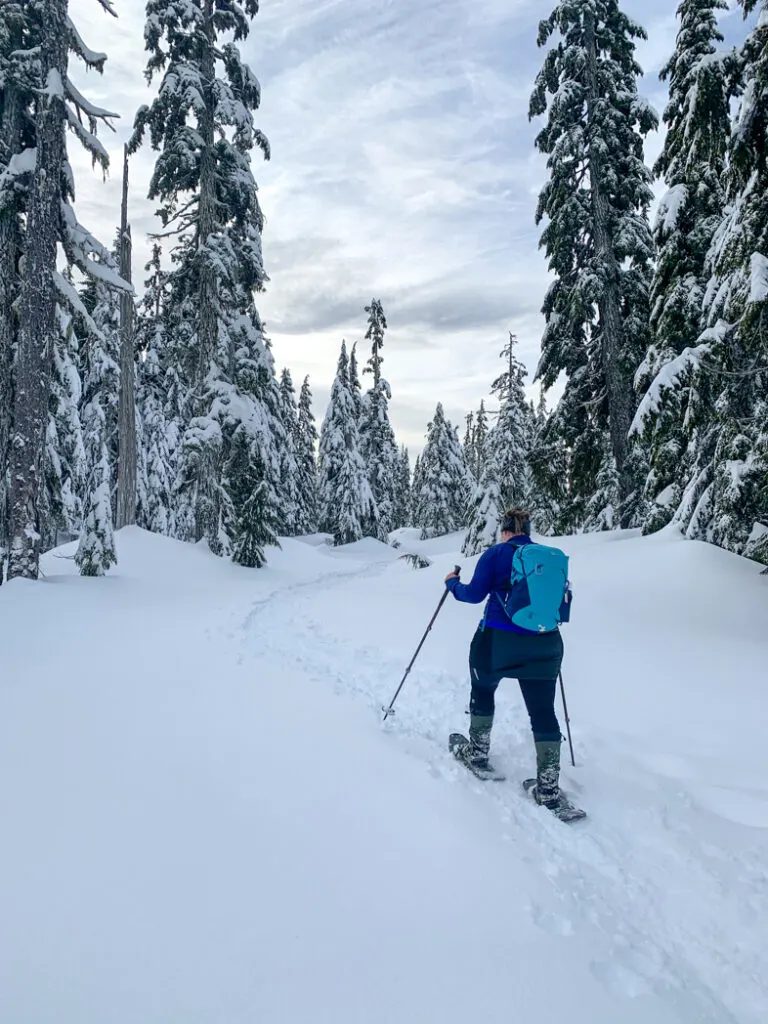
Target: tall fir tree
point(377, 439)
point(692, 164)
point(290, 498)
point(509, 441)
point(402, 516)
point(18, 80)
point(598, 243)
point(443, 485)
point(49, 221)
point(468, 444)
point(306, 462)
point(346, 500)
point(201, 124)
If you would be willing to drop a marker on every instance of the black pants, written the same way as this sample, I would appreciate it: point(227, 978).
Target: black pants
point(534, 660)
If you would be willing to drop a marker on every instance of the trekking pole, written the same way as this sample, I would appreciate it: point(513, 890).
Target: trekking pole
point(391, 709)
point(567, 720)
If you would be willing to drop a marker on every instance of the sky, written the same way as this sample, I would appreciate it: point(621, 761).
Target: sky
point(403, 168)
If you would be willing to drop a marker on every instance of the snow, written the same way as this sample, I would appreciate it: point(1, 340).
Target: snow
point(204, 819)
point(669, 209)
point(758, 278)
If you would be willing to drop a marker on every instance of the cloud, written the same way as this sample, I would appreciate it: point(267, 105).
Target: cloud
point(403, 167)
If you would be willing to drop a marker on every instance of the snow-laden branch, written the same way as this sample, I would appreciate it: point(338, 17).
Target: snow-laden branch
point(84, 105)
point(90, 141)
point(669, 377)
point(73, 301)
point(88, 56)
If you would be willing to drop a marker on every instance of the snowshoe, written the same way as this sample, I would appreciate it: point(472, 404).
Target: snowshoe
point(481, 767)
point(564, 809)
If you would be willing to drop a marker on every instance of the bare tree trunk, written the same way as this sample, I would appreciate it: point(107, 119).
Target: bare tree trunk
point(618, 381)
point(10, 243)
point(126, 423)
point(37, 312)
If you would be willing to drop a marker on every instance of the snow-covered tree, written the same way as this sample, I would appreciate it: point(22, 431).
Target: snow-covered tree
point(18, 79)
point(509, 442)
point(597, 237)
point(306, 462)
point(65, 463)
point(346, 501)
point(50, 220)
point(377, 439)
point(468, 444)
point(692, 163)
point(159, 406)
point(442, 489)
point(201, 125)
point(486, 508)
point(290, 497)
point(402, 515)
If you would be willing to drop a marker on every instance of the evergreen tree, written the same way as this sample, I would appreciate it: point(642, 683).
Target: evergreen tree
point(306, 441)
point(65, 463)
point(346, 501)
point(159, 407)
point(480, 441)
point(597, 238)
point(468, 444)
point(18, 79)
point(402, 512)
point(201, 124)
point(50, 219)
point(509, 442)
point(727, 501)
point(356, 387)
point(255, 524)
point(444, 482)
point(377, 439)
point(692, 164)
point(486, 508)
point(290, 497)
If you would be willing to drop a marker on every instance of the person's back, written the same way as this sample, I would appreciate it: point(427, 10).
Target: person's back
point(501, 649)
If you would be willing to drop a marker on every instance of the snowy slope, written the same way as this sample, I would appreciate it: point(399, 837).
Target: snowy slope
point(204, 820)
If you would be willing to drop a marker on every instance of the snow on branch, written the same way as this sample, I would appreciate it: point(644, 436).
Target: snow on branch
point(20, 164)
point(90, 141)
point(669, 209)
point(80, 245)
point(88, 56)
point(73, 301)
point(669, 377)
point(758, 278)
point(84, 105)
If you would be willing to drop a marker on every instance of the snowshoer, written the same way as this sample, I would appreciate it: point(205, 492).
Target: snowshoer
point(501, 649)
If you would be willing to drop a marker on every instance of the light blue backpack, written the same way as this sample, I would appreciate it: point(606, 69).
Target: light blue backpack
point(539, 595)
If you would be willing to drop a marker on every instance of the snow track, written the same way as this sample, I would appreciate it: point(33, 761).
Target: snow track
point(681, 903)
point(206, 821)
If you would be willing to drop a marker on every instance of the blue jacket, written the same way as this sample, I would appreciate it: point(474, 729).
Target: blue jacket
point(492, 573)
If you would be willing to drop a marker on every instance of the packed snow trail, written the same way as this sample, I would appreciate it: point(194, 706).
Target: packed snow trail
point(204, 819)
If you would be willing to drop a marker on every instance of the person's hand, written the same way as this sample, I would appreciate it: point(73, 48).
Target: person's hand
point(451, 576)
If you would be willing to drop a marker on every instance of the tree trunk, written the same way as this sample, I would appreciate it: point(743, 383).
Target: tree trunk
point(37, 309)
point(126, 425)
point(619, 385)
point(207, 466)
point(10, 243)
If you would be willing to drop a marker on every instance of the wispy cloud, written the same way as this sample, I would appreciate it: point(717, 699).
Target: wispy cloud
point(403, 167)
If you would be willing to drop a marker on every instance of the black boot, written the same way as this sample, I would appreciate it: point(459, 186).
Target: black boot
point(547, 789)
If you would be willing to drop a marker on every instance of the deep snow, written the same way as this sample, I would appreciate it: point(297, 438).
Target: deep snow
point(205, 821)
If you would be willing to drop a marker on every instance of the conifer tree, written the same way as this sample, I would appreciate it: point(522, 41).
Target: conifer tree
point(50, 219)
point(201, 124)
point(306, 441)
point(290, 498)
point(510, 440)
point(468, 444)
point(158, 402)
point(486, 508)
point(346, 501)
point(480, 440)
point(692, 163)
point(597, 238)
point(377, 439)
point(441, 494)
point(403, 490)
point(17, 140)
